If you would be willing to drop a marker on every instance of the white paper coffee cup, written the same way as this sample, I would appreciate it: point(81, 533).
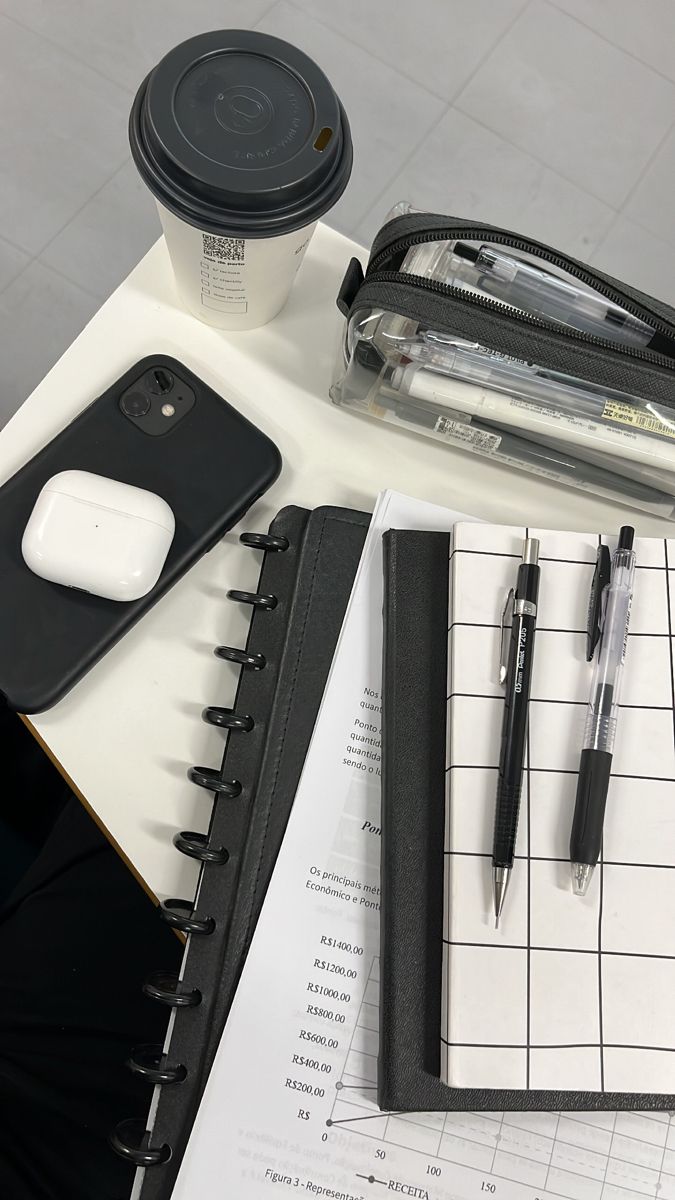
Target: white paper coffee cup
point(234, 283)
point(245, 145)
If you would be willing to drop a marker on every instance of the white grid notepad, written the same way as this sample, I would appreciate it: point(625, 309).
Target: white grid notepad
point(569, 993)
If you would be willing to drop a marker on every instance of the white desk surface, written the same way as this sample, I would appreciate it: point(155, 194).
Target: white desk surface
point(127, 733)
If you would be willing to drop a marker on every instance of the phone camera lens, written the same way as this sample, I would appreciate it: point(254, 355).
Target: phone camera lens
point(159, 381)
point(135, 404)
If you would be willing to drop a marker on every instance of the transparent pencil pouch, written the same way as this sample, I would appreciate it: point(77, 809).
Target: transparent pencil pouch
point(501, 346)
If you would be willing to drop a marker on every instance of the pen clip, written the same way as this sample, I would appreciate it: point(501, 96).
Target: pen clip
point(505, 633)
point(601, 579)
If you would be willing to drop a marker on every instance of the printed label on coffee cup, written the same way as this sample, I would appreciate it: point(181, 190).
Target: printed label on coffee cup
point(222, 273)
point(233, 282)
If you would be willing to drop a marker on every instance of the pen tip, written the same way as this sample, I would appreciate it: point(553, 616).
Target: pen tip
point(582, 874)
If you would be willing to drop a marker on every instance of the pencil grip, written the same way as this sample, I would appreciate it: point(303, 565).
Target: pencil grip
point(507, 808)
point(595, 768)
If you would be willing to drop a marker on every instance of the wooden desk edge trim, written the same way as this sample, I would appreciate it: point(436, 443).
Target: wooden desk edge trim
point(94, 816)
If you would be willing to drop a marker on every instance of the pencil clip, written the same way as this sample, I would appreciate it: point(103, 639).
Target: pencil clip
point(506, 623)
point(596, 602)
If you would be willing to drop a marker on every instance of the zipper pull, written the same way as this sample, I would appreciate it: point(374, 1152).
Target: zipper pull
point(349, 287)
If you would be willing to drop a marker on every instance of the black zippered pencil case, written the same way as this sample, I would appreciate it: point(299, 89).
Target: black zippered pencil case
point(503, 346)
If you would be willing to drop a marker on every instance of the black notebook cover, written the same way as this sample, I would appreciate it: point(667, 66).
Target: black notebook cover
point(416, 578)
point(311, 580)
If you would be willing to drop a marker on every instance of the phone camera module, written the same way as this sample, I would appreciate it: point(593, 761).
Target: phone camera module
point(157, 401)
point(159, 381)
point(135, 404)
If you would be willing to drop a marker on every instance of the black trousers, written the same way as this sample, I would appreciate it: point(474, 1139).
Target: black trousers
point(77, 937)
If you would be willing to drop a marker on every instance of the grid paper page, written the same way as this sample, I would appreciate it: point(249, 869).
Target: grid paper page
point(570, 992)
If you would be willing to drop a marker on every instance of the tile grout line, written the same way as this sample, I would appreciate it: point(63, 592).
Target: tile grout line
point(84, 204)
point(574, 183)
point(432, 128)
point(24, 267)
point(80, 210)
point(648, 163)
point(37, 256)
point(448, 103)
point(122, 87)
point(638, 222)
point(54, 271)
point(637, 219)
point(350, 41)
point(608, 42)
point(14, 245)
point(33, 257)
point(361, 216)
point(100, 300)
point(612, 225)
point(399, 169)
point(535, 158)
point(267, 11)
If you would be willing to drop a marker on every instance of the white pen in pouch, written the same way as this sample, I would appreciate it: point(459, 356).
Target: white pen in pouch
point(574, 416)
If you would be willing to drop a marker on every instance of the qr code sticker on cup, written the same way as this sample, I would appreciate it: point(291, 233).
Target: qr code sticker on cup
point(223, 249)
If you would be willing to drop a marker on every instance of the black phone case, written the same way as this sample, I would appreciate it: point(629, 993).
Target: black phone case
point(210, 468)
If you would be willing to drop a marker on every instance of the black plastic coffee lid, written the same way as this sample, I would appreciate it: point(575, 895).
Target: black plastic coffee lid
point(241, 134)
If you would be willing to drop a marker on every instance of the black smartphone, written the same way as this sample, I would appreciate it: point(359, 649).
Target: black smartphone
point(161, 428)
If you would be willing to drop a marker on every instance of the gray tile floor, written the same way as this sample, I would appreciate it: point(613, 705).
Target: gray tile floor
point(554, 118)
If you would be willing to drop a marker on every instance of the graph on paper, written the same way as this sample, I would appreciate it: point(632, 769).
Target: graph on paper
point(579, 1156)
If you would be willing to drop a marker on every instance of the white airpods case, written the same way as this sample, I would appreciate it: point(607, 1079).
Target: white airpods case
point(98, 535)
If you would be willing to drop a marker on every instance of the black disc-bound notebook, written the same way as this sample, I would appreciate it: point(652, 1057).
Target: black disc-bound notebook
point(416, 582)
point(309, 564)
